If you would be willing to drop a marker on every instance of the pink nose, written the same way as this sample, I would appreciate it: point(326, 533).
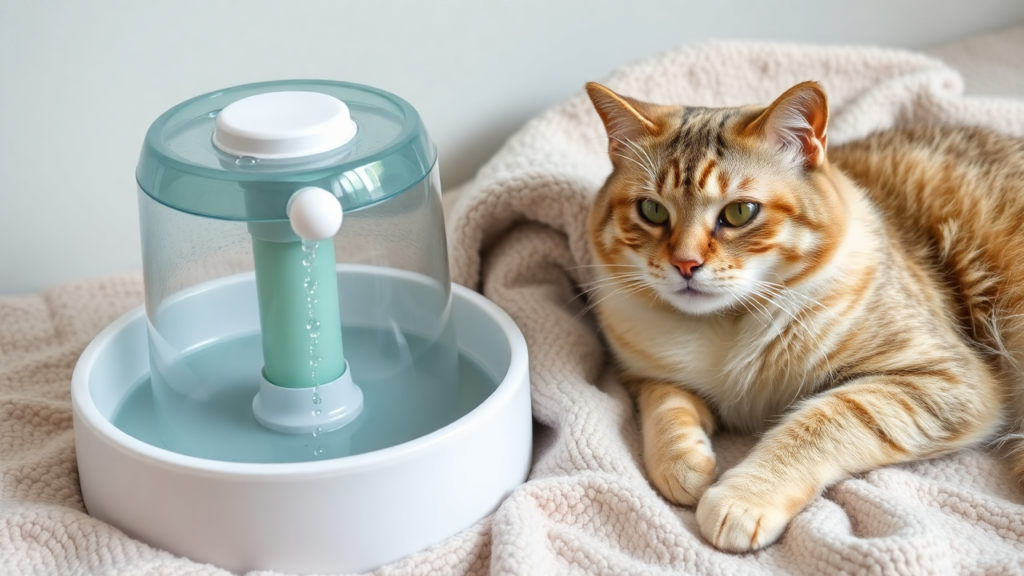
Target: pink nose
point(688, 267)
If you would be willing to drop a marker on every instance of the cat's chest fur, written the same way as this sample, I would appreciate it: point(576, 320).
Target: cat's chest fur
point(721, 358)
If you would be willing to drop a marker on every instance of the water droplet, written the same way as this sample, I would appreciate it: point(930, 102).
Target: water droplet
point(313, 325)
point(246, 161)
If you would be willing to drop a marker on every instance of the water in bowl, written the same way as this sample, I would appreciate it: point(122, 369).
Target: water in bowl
point(401, 403)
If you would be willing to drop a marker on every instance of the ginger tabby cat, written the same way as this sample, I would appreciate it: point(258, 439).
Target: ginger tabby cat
point(855, 307)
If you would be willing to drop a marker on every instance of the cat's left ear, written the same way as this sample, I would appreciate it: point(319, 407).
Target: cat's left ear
point(795, 124)
point(627, 120)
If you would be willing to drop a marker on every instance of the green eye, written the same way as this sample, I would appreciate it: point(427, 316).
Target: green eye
point(738, 213)
point(653, 212)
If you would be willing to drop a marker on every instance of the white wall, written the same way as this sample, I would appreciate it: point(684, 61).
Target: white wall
point(80, 81)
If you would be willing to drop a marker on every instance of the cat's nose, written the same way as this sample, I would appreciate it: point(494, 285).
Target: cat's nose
point(688, 267)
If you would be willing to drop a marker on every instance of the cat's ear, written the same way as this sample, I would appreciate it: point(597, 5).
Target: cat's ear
point(796, 124)
point(625, 119)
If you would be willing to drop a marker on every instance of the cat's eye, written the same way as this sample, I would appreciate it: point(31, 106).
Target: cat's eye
point(738, 213)
point(653, 212)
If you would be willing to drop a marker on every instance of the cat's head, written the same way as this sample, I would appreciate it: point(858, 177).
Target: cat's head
point(711, 207)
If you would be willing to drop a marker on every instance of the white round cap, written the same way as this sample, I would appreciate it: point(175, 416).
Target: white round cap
point(278, 125)
point(314, 213)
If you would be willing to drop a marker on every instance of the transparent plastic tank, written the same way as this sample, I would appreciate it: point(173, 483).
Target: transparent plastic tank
point(368, 309)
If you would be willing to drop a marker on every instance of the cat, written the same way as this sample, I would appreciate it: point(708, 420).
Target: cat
point(855, 307)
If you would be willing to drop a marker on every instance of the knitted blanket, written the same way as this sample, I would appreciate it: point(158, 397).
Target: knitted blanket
point(517, 233)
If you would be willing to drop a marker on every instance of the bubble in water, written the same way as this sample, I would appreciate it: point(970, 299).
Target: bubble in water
point(315, 361)
point(246, 161)
point(313, 325)
point(318, 451)
point(307, 261)
point(311, 285)
point(316, 412)
point(318, 431)
point(317, 399)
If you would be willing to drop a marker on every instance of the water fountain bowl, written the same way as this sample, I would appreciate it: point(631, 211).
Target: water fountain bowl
point(348, 514)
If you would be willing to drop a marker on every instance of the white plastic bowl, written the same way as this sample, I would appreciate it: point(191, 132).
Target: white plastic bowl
point(344, 515)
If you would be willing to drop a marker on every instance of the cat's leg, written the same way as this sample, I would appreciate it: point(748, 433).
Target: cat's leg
point(675, 425)
point(856, 427)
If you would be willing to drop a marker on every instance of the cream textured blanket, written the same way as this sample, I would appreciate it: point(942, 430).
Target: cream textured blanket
point(517, 233)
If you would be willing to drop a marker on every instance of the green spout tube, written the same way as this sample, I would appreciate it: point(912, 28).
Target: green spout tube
point(285, 311)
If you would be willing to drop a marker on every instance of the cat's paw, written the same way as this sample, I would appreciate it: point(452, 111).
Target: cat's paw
point(683, 470)
point(737, 516)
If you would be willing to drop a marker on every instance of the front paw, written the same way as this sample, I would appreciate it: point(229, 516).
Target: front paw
point(682, 471)
point(739, 515)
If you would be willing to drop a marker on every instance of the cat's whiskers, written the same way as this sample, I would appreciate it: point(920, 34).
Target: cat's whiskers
point(637, 266)
point(607, 282)
point(743, 374)
point(743, 301)
point(748, 298)
point(629, 289)
point(786, 290)
point(740, 369)
point(633, 145)
point(611, 279)
point(780, 291)
point(642, 166)
point(648, 167)
point(636, 147)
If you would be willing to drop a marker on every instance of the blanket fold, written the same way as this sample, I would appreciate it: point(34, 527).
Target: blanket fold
point(517, 233)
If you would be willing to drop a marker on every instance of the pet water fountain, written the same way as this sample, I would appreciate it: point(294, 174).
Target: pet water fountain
point(304, 390)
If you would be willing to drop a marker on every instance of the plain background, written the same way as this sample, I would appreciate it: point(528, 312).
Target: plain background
point(80, 81)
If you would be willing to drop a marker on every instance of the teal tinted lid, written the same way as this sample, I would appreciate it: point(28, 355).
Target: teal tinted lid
point(376, 146)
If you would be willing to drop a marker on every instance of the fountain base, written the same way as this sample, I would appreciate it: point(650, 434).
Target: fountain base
point(293, 411)
point(342, 514)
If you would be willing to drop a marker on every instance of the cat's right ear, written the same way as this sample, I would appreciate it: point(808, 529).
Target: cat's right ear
point(625, 119)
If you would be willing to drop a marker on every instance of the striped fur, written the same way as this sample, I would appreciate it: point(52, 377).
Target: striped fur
point(871, 313)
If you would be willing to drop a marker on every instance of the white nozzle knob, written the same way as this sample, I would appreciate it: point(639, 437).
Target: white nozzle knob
point(314, 213)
